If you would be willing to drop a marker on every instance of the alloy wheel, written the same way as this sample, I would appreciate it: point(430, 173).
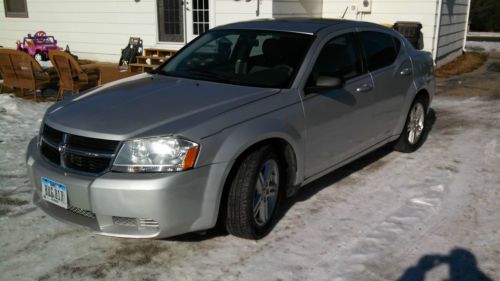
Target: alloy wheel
point(266, 192)
point(415, 125)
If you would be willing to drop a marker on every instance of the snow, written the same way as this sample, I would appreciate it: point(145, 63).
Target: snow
point(19, 121)
point(483, 46)
point(387, 216)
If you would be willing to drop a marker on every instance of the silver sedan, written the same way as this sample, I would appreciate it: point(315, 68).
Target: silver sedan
point(239, 119)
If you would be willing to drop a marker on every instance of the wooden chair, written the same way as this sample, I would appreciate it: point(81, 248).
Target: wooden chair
point(20, 71)
point(75, 76)
point(72, 77)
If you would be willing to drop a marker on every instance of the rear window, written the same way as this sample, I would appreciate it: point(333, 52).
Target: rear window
point(381, 49)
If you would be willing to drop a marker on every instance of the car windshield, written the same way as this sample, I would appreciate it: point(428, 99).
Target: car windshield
point(245, 57)
point(48, 40)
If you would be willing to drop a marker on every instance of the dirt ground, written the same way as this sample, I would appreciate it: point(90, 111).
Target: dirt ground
point(465, 63)
point(430, 215)
point(482, 82)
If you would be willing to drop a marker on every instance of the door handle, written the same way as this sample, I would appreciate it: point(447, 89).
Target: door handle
point(405, 71)
point(186, 4)
point(364, 88)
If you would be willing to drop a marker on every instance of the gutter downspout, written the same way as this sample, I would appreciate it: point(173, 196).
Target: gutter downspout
point(436, 31)
point(466, 29)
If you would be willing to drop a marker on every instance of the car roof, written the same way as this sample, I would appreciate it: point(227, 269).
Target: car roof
point(298, 25)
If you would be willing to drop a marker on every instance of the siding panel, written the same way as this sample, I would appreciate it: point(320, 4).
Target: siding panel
point(286, 8)
point(389, 12)
point(229, 11)
point(93, 29)
point(98, 29)
point(452, 31)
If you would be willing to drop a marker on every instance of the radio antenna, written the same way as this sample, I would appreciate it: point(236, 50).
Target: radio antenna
point(345, 12)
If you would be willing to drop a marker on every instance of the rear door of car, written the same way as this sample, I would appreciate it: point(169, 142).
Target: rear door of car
point(339, 119)
point(391, 68)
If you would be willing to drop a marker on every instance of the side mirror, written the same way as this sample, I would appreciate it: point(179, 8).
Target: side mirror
point(324, 83)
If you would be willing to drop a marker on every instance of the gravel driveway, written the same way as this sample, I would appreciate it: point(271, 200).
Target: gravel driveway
point(430, 215)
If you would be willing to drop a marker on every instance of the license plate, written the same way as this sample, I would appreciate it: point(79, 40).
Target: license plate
point(54, 193)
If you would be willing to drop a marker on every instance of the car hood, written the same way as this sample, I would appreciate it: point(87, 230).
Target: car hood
point(148, 104)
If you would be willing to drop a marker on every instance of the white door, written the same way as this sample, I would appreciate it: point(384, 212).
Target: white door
point(197, 18)
point(180, 21)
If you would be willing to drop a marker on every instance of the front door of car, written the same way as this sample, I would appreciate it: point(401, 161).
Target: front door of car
point(338, 119)
point(391, 69)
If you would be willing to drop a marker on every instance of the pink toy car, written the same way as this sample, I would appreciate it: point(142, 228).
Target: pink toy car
point(38, 46)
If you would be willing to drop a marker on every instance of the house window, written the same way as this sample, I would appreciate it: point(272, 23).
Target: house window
point(15, 8)
point(171, 20)
point(200, 16)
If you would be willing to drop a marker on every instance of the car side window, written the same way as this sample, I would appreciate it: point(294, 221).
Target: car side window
point(381, 49)
point(340, 58)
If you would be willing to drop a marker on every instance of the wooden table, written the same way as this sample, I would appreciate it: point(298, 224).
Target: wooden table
point(108, 72)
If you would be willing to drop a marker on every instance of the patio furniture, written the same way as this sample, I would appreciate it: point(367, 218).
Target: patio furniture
point(151, 59)
point(129, 53)
point(20, 71)
point(73, 76)
point(108, 72)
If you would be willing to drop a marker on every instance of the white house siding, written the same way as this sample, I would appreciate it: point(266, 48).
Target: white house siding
point(99, 29)
point(389, 12)
point(228, 11)
point(452, 30)
point(94, 29)
point(300, 8)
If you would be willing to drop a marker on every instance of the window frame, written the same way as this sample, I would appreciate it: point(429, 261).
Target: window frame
point(200, 24)
point(15, 14)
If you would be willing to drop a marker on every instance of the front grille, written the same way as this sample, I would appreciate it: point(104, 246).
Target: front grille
point(77, 153)
point(97, 145)
point(51, 153)
point(81, 212)
point(135, 222)
point(125, 221)
point(52, 135)
point(86, 163)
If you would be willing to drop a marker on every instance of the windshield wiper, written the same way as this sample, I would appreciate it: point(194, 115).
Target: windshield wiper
point(198, 74)
point(163, 72)
point(210, 75)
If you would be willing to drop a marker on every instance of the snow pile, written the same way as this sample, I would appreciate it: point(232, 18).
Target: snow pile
point(19, 123)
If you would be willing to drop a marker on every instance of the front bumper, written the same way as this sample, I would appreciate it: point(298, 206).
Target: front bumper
point(148, 205)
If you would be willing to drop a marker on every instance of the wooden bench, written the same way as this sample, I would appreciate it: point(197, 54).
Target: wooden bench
point(152, 58)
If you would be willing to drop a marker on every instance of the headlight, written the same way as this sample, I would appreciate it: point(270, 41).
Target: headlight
point(162, 154)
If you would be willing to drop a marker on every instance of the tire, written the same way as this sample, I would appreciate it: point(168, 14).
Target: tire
point(415, 127)
point(39, 57)
point(249, 214)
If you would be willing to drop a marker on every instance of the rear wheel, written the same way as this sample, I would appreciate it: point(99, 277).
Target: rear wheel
point(254, 194)
point(413, 133)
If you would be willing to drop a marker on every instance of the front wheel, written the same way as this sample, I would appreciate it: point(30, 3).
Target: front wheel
point(415, 127)
point(39, 57)
point(254, 194)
